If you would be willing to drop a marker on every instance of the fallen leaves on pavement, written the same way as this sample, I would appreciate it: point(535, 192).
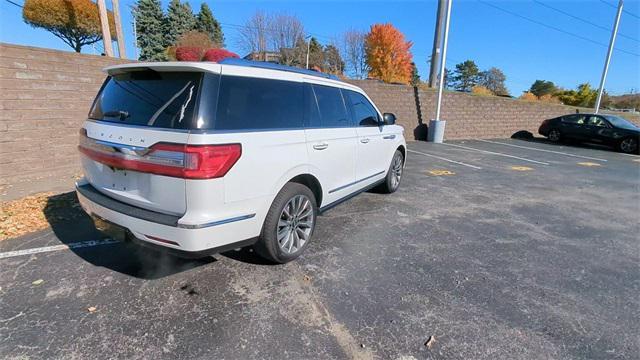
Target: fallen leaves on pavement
point(36, 212)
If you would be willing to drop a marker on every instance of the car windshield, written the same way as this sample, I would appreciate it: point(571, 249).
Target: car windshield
point(619, 122)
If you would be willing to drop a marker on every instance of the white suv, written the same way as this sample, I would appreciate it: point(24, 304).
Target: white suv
point(204, 157)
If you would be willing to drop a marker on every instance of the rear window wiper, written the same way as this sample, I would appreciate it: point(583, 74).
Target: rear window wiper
point(117, 113)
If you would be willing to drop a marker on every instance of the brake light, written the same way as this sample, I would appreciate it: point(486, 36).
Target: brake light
point(175, 160)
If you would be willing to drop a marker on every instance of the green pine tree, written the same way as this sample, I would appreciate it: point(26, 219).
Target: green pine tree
point(149, 30)
point(207, 24)
point(179, 19)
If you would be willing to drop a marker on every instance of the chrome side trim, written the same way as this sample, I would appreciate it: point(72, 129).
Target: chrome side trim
point(389, 137)
point(216, 223)
point(355, 182)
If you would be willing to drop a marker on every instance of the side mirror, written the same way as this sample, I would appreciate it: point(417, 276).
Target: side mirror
point(388, 119)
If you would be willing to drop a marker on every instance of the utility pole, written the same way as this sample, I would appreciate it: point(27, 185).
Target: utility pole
point(104, 23)
point(607, 60)
point(436, 126)
point(119, 33)
point(437, 40)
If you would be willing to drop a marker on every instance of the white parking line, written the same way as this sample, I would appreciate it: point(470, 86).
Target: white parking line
point(544, 150)
point(497, 153)
point(445, 159)
point(76, 245)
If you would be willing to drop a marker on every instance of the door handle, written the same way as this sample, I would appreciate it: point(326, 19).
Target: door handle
point(364, 140)
point(321, 146)
point(389, 137)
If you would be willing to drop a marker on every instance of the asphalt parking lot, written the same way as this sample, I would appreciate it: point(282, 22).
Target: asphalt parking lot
point(500, 249)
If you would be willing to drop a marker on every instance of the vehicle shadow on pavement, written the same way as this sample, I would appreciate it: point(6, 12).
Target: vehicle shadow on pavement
point(247, 255)
point(71, 224)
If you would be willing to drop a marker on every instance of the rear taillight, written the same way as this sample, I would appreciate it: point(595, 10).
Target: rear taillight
point(176, 160)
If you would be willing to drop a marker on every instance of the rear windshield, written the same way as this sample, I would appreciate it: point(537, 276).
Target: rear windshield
point(149, 98)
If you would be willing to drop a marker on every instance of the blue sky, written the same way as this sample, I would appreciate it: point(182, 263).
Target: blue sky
point(523, 49)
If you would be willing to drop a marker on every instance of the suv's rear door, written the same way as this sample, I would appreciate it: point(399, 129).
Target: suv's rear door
point(135, 110)
point(331, 140)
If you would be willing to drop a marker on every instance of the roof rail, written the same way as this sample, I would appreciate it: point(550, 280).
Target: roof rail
point(273, 66)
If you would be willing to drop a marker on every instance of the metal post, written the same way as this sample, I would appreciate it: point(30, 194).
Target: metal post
point(308, 49)
point(437, 44)
point(104, 23)
point(436, 126)
point(119, 33)
point(608, 58)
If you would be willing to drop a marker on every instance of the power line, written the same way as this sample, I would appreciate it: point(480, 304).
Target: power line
point(583, 20)
point(624, 11)
point(13, 3)
point(553, 27)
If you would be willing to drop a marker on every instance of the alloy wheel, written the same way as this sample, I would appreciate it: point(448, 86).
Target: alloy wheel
point(628, 145)
point(554, 135)
point(295, 224)
point(396, 171)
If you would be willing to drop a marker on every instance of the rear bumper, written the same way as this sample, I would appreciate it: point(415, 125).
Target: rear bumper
point(164, 231)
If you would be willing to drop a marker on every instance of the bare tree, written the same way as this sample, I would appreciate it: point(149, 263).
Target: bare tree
point(254, 35)
point(354, 54)
point(284, 31)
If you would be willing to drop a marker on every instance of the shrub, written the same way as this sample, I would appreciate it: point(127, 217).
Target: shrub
point(550, 99)
point(529, 96)
point(481, 90)
point(190, 39)
point(217, 55)
point(189, 53)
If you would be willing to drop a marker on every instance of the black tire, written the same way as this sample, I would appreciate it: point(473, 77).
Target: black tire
point(395, 168)
point(628, 145)
point(268, 245)
point(554, 136)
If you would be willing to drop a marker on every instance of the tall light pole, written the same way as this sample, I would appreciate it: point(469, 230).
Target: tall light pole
point(607, 60)
point(437, 43)
point(308, 48)
point(106, 33)
point(436, 126)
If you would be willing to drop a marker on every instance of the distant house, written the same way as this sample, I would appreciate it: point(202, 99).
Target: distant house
point(268, 56)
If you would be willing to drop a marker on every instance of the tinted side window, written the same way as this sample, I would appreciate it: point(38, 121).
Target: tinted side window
point(596, 121)
point(333, 112)
point(311, 111)
point(246, 103)
point(574, 119)
point(363, 112)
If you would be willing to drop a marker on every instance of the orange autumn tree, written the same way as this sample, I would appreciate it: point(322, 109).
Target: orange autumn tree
point(388, 54)
point(76, 22)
